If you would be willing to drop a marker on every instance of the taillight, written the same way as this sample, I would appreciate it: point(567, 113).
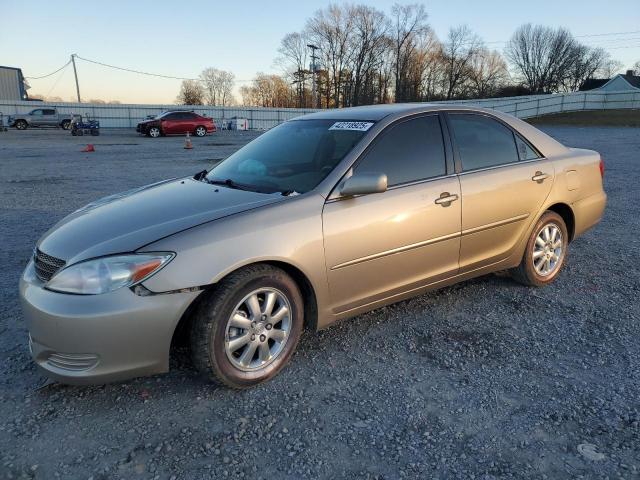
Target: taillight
point(601, 167)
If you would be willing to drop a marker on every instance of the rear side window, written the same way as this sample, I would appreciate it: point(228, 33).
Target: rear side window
point(49, 112)
point(408, 151)
point(482, 141)
point(525, 150)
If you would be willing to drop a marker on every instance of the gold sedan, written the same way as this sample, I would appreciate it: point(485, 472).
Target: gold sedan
point(319, 219)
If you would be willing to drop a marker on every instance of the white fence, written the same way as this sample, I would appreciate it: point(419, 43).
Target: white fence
point(127, 116)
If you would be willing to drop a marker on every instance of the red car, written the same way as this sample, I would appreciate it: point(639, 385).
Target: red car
point(177, 123)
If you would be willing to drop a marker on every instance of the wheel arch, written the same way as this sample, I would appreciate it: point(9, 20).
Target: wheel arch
point(302, 281)
point(567, 215)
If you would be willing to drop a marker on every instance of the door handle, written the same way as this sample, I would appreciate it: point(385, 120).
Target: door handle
point(539, 177)
point(445, 199)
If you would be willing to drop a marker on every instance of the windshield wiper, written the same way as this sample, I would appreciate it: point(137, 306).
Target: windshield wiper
point(232, 184)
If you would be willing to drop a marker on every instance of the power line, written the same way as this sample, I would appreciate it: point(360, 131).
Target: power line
point(49, 74)
point(606, 34)
point(585, 36)
point(135, 71)
point(131, 70)
point(58, 79)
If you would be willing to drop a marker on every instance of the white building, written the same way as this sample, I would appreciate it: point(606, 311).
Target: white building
point(13, 86)
point(627, 82)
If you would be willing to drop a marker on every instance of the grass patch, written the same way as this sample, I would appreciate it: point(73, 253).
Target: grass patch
point(612, 118)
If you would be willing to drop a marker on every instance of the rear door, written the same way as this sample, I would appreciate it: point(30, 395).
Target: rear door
point(49, 117)
point(504, 182)
point(385, 244)
point(190, 121)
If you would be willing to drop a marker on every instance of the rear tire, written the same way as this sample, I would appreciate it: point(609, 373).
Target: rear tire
point(545, 252)
point(21, 125)
point(66, 125)
point(240, 341)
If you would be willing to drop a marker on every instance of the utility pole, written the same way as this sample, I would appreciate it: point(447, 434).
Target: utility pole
point(75, 73)
point(313, 73)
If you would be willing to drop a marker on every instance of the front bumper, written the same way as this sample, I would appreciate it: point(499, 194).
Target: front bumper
point(92, 339)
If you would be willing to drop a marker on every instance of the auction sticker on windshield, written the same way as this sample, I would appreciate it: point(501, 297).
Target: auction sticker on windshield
point(359, 126)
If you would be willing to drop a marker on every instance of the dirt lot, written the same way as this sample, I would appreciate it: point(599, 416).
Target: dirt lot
point(486, 379)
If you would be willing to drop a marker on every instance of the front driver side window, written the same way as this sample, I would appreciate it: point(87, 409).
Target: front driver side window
point(407, 151)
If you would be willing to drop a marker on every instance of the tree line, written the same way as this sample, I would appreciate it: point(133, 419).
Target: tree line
point(366, 56)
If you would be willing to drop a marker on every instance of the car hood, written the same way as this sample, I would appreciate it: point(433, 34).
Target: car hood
point(130, 220)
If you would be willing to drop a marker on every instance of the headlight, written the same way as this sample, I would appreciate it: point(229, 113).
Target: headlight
point(106, 274)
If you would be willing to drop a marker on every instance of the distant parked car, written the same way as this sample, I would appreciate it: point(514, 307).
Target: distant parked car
point(177, 123)
point(41, 117)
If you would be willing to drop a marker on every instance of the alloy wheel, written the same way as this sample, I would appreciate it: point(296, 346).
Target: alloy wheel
point(201, 131)
point(154, 132)
point(258, 329)
point(547, 250)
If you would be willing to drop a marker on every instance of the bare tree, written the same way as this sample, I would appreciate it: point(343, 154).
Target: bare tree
point(330, 29)
point(609, 68)
point(268, 91)
point(293, 58)
point(458, 53)
point(408, 24)
point(369, 42)
point(636, 67)
point(218, 86)
point(191, 93)
point(487, 73)
point(541, 55)
point(585, 63)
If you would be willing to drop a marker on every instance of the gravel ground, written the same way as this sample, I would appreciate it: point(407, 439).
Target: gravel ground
point(485, 379)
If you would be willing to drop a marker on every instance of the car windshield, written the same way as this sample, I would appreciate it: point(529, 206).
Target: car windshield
point(292, 157)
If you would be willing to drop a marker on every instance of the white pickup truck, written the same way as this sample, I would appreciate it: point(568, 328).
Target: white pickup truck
point(41, 117)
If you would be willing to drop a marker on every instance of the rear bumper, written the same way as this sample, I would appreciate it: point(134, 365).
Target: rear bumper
point(91, 339)
point(588, 212)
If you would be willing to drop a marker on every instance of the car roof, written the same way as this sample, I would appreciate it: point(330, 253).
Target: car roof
point(374, 113)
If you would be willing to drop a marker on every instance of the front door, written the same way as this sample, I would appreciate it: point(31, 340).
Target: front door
point(504, 182)
point(384, 244)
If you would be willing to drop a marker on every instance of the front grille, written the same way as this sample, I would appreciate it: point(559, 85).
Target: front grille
point(46, 265)
point(74, 362)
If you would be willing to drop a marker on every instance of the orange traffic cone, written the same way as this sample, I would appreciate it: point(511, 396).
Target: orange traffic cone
point(89, 148)
point(187, 142)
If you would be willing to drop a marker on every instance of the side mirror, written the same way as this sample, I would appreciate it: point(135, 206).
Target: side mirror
point(364, 184)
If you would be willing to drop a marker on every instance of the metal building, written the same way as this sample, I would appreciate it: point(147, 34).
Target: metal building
point(13, 86)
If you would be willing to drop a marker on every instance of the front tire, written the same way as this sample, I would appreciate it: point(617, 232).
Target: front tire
point(154, 132)
point(21, 125)
point(66, 125)
point(246, 329)
point(545, 252)
point(200, 131)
